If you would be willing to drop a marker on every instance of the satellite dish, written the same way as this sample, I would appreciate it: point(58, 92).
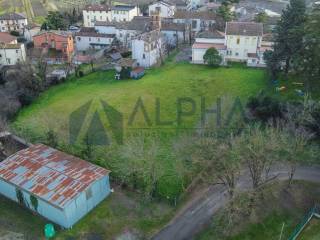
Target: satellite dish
point(118, 68)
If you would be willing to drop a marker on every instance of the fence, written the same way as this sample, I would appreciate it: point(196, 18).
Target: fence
point(314, 212)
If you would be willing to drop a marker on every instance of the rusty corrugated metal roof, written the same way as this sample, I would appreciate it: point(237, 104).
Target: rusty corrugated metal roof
point(49, 174)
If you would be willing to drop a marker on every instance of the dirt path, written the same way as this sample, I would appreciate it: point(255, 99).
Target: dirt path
point(199, 214)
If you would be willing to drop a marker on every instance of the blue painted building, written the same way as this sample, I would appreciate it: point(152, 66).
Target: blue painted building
point(58, 186)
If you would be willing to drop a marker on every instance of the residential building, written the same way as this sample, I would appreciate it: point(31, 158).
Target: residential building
point(148, 48)
point(242, 41)
point(13, 22)
point(126, 31)
point(59, 43)
point(95, 12)
point(204, 41)
point(175, 33)
point(88, 39)
point(55, 185)
point(124, 13)
point(198, 21)
point(11, 54)
point(162, 8)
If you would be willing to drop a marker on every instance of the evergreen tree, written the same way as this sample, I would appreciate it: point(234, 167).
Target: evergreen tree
point(309, 63)
point(289, 33)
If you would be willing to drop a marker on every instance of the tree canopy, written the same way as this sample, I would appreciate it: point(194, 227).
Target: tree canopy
point(212, 57)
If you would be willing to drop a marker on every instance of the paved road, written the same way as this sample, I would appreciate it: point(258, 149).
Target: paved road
point(199, 214)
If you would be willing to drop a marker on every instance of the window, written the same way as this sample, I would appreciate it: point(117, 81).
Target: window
point(17, 51)
point(238, 40)
point(237, 54)
point(89, 39)
point(0, 55)
point(88, 193)
point(144, 56)
point(79, 39)
point(194, 23)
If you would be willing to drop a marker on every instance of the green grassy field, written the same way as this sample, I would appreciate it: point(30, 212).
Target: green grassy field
point(167, 84)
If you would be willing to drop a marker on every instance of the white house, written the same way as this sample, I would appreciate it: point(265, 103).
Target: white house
point(11, 54)
point(124, 13)
point(162, 8)
point(95, 12)
point(90, 39)
point(242, 41)
point(13, 22)
point(175, 33)
point(125, 31)
point(148, 48)
point(206, 40)
point(198, 21)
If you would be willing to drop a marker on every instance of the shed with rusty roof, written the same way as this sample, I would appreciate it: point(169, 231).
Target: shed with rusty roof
point(58, 186)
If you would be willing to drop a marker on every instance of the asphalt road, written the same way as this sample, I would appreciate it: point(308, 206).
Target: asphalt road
point(199, 214)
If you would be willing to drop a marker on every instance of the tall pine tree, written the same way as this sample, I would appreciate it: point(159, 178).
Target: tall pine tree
point(289, 33)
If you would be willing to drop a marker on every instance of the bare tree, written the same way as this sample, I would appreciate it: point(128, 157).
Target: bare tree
point(219, 160)
point(259, 149)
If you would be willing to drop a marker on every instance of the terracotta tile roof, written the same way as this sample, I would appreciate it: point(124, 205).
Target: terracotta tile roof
point(6, 37)
point(138, 70)
point(57, 32)
point(96, 7)
point(244, 28)
point(49, 174)
point(208, 45)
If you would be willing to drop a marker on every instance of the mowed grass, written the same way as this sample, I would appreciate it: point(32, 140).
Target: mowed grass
point(165, 85)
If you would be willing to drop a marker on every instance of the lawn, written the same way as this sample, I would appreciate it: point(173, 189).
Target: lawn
point(165, 85)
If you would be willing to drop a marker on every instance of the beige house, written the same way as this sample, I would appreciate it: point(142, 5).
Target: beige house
point(241, 41)
point(124, 13)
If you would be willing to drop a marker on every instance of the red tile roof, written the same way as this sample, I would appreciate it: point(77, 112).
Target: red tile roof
point(208, 45)
point(6, 37)
point(49, 174)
